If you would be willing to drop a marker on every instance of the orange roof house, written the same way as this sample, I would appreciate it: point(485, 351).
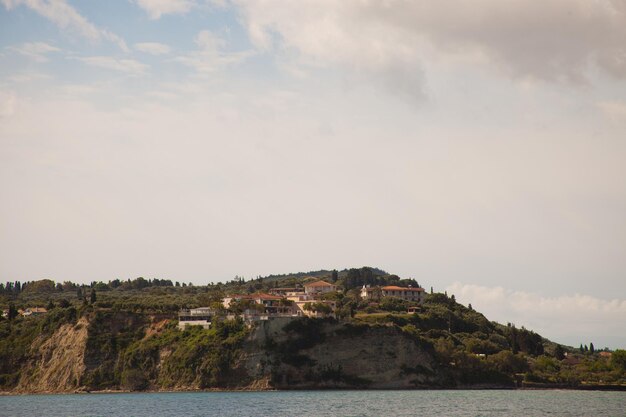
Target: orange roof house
point(406, 293)
point(319, 287)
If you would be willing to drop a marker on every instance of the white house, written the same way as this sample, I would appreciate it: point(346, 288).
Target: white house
point(195, 317)
point(319, 287)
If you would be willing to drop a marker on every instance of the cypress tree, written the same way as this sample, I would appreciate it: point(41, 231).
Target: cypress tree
point(12, 311)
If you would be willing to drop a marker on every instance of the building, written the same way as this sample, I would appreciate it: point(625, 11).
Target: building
point(34, 311)
point(404, 293)
point(195, 317)
point(316, 308)
point(319, 287)
point(285, 291)
point(267, 303)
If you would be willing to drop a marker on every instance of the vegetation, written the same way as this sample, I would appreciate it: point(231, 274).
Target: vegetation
point(133, 342)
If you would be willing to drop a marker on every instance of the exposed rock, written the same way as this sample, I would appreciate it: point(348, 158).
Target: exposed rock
point(57, 363)
point(334, 355)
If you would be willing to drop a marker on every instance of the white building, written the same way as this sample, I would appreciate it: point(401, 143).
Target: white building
point(319, 287)
point(405, 293)
point(195, 317)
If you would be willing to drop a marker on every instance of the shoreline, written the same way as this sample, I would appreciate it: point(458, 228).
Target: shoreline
point(606, 388)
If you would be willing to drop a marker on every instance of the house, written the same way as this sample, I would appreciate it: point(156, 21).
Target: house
point(319, 287)
point(285, 291)
point(195, 317)
point(416, 294)
point(316, 308)
point(267, 303)
point(34, 311)
point(307, 305)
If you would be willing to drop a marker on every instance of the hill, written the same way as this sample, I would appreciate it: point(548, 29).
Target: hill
point(124, 335)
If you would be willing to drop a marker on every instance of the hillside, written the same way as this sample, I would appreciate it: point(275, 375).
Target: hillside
point(123, 335)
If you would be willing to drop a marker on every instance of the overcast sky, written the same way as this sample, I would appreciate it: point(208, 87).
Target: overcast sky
point(477, 146)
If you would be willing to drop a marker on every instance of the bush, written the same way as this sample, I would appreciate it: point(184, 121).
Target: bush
point(134, 379)
point(393, 304)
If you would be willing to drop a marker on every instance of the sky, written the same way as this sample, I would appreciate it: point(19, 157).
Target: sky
point(477, 147)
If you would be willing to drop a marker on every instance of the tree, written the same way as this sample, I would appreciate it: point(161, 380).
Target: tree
point(63, 303)
point(618, 359)
point(334, 275)
point(92, 296)
point(12, 312)
point(50, 305)
point(79, 293)
point(559, 353)
point(582, 349)
point(591, 348)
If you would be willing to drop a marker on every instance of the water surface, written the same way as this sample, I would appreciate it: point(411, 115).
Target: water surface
point(321, 403)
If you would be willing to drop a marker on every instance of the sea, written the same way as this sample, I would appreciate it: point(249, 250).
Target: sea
point(321, 403)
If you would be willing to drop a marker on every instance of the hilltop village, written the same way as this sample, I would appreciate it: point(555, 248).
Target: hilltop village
point(354, 328)
point(312, 299)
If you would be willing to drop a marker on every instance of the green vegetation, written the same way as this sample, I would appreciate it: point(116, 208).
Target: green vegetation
point(17, 335)
point(133, 342)
point(196, 357)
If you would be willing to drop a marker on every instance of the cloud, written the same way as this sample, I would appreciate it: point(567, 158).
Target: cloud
point(157, 8)
point(36, 50)
point(129, 66)
point(613, 109)
point(211, 54)
point(571, 319)
point(552, 40)
point(8, 102)
point(152, 48)
point(66, 17)
point(28, 77)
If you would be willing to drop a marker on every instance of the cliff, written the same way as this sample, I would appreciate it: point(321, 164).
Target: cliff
point(445, 345)
point(56, 363)
point(129, 351)
point(325, 354)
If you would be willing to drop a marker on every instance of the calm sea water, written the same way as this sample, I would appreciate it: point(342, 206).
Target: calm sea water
point(321, 403)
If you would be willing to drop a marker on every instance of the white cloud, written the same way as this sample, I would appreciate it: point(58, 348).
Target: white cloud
point(211, 54)
point(614, 109)
point(129, 66)
point(66, 17)
point(36, 50)
point(158, 8)
point(570, 319)
point(553, 40)
point(8, 102)
point(28, 77)
point(153, 48)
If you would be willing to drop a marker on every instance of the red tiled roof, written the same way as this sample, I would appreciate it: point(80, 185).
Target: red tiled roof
point(264, 296)
point(396, 288)
point(261, 296)
point(319, 284)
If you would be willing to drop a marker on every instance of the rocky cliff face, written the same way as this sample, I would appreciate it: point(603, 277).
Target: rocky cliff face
point(57, 363)
point(129, 351)
point(325, 354)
